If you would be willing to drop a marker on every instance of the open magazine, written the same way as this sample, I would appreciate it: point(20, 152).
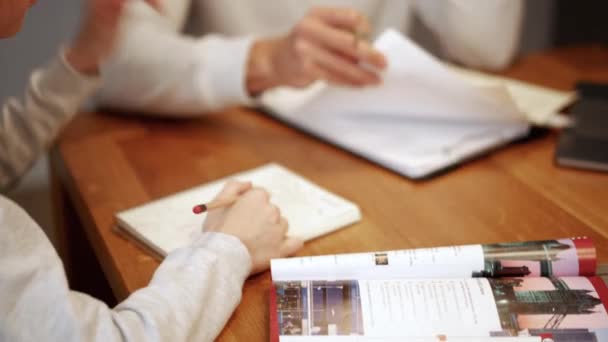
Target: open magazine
point(523, 291)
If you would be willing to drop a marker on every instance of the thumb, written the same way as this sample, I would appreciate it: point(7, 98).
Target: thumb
point(290, 246)
point(234, 188)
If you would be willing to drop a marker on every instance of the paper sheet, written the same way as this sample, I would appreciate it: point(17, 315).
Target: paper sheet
point(412, 147)
point(415, 85)
point(423, 118)
point(539, 104)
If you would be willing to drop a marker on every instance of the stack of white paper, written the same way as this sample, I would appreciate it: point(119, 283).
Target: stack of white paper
point(423, 118)
point(540, 104)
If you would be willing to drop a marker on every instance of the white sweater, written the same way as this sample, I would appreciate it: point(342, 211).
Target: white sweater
point(159, 69)
point(190, 297)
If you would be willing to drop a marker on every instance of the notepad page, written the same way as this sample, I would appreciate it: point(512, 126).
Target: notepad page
point(311, 211)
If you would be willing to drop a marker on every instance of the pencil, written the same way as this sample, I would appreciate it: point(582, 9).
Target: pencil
point(358, 37)
point(215, 204)
point(361, 34)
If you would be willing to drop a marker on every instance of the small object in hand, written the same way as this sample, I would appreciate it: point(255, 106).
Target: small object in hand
point(358, 36)
point(215, 204)
point(199, 209)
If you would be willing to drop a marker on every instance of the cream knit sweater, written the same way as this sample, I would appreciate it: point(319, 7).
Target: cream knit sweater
point(190, 297)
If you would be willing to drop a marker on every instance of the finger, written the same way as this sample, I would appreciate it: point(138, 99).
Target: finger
point(347, 42)
point(309, 68)
point(344, 42)
point(257, 194)
point(368, 54)
point(339, 66)
point(234, 188)
point(274, 214)
point(290, 246)
point(332, 78)
point(283, 225)
point(345, 18)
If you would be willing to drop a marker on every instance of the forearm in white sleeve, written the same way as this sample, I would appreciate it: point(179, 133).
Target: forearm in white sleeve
point(28, 125)
point(190, 298)
point(157, 70)
point(479, 33)
point(192, 294)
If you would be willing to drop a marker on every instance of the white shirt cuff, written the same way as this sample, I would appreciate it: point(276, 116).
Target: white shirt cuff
point(62, 83)
point(71, 78)
point(228, 248)
point(221, 78)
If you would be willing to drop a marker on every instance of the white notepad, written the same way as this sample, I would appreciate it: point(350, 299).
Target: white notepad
point(168, 223)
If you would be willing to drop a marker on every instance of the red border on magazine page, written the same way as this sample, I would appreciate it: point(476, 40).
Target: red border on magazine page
point(274, 319)
point(587, 260)
point(601, 289)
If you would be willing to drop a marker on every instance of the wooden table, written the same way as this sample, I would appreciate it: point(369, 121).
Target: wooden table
point(104, 164)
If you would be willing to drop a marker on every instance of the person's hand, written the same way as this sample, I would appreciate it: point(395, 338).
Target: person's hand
point(256, 222)
point(215, 218)
point(325, 45)
point(97, 34)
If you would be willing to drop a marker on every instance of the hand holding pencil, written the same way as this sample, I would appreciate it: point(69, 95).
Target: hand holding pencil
point(328, 43)
point(246, 213)
point(215, 204)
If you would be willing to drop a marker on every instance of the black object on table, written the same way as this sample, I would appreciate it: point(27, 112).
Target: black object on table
point(585, 144)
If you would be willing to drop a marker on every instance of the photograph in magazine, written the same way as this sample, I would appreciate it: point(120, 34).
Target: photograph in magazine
point(538, 258)
point(567, 309)
point(319, 308)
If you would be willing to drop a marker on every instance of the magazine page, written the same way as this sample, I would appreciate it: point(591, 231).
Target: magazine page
point(410, 339)
point(543, 309)
point(563, 257)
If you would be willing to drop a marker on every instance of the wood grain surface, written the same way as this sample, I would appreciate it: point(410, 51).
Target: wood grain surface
point(109, 163)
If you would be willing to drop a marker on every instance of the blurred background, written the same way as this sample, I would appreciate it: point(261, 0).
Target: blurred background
point(48, 24)
point(548, 23)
